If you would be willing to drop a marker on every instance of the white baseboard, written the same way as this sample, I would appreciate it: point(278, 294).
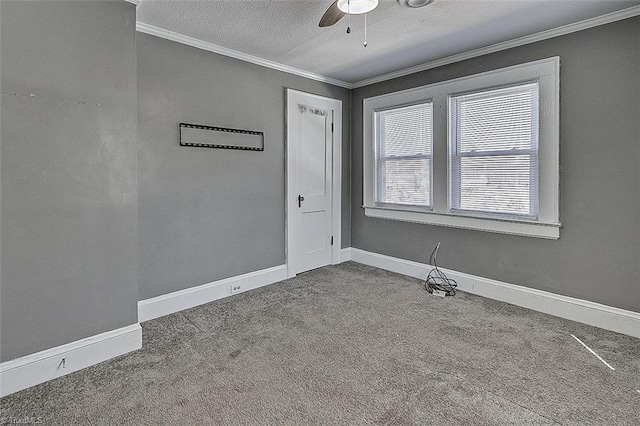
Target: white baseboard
point(584, 311)
point(345, 254)
point(184, 299)
point(30, 370)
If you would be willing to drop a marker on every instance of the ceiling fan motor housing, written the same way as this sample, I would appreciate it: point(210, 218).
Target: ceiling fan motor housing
point(415, 3)
point(357, 7)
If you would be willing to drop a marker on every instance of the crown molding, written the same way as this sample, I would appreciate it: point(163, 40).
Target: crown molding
point(134, 2)
point(204, 45)
point(520, 41)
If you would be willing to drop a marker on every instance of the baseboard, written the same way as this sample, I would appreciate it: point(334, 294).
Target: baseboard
point(584, 311)
point(30, 370)
point(184, 299)
point(345, 254)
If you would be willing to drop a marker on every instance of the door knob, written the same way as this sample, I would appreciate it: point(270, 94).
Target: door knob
point(300, 200)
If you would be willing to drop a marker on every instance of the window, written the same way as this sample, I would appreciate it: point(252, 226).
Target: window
point(403, 160)
point(479, 152)
point(494, 151)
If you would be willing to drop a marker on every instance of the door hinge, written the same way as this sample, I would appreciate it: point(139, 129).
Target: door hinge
point(331, 127)
point(332, 240)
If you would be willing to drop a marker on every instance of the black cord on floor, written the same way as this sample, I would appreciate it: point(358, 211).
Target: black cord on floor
point(437, 280)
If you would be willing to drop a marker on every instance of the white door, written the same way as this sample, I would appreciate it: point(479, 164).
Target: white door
point(310, 183)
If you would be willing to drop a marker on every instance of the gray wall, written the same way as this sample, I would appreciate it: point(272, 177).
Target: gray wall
point(208, 214)
point(598, 254)
point(69, 184)
point(82, 201)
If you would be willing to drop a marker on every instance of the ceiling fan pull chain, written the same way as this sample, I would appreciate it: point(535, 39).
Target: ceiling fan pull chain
point(365, 30)
point(349, 16)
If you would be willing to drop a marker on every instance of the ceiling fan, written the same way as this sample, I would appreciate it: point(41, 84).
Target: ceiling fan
point(339, 8)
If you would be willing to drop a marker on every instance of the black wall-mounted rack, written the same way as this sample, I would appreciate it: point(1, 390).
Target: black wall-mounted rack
point(196, 135)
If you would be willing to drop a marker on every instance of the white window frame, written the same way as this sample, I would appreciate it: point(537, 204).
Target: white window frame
point(455, 158)
point(547, 224)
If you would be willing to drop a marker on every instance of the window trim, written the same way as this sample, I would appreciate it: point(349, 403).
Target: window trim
point(547, 72)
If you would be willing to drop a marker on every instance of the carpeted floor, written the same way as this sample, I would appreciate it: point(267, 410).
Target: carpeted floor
point(351, 344)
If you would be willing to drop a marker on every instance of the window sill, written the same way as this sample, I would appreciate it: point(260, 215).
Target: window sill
point(512, 227)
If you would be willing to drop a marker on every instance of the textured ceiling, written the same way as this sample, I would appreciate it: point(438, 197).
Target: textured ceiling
point(287, 32)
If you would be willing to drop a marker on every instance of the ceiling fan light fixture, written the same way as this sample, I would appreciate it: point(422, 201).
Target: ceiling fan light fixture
point(357, 7)
point(415, 3)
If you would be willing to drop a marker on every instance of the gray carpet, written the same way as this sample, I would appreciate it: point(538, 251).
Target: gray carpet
point(351, 344)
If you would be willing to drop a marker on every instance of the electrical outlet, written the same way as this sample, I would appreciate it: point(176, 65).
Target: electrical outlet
point(236, 288)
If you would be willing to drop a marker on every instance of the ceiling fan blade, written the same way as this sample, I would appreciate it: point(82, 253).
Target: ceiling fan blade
point(331, 16)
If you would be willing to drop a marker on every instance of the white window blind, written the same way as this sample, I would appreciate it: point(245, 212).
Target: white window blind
point(404, 139)
point(494, 151)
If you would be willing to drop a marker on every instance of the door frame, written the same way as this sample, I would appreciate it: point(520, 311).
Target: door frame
point(294, 97)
